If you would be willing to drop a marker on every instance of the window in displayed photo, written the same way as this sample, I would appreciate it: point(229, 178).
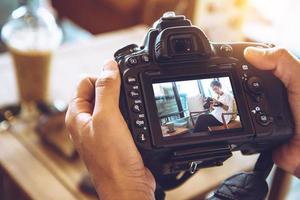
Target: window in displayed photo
point(196, 107)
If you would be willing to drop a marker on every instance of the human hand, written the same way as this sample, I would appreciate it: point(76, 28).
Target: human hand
point(103, 139)
point(287, 68)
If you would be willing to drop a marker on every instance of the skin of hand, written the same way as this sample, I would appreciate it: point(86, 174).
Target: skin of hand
point(287, 68)
point(103, 140)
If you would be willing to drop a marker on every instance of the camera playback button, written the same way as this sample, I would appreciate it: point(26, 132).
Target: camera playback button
point(137, 108)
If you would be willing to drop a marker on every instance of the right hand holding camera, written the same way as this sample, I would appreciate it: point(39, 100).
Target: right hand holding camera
point(287, 68)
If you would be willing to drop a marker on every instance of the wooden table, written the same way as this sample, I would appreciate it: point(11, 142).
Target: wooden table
point(40, 173)
point(177, 131)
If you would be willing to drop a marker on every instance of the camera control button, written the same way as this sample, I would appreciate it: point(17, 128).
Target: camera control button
point(141, 116)
point(132, 61)
point(134, 94)
point(139, 123)
point(145, 58)
point(263, 119)
point(137, 101)
point(131, 80)
point(141, 137)
point(137, 108)
point(255, 85)
point(245, 67)
point(225, 50)
point(135, 87)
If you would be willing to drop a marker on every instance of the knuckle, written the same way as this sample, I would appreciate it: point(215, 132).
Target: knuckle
point(67, 118)
point(281, 52)
point(105, 81)
point(70, 117)
point(108, 79)
point(69, 121)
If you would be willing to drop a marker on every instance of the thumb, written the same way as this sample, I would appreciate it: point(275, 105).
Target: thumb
point(107, 88)
point(284, 65)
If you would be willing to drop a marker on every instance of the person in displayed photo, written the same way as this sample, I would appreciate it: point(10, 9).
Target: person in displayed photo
point(222, 104)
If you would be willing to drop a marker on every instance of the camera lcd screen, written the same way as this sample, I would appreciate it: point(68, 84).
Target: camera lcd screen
point(193, 107)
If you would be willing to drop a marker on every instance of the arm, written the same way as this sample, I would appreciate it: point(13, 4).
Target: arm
point(287, 68)
point(225, 107)
point(221, 104)
point(103, 139)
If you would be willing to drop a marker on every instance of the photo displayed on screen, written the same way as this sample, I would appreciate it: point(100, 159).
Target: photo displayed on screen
point(196, 107)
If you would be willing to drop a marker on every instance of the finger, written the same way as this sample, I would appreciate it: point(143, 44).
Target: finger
point(282, 157)
point(284, 65)
point(107, 89)
point(81, 106)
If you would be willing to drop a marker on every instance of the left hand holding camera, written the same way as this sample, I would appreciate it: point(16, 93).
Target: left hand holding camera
point(103, 139)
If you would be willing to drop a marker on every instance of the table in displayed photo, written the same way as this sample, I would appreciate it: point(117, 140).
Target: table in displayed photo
point(177, 131)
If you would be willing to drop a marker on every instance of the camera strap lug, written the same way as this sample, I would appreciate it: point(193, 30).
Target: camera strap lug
point(194, 166)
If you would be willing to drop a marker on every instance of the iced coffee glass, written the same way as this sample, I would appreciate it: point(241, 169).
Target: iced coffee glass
point(31, 36)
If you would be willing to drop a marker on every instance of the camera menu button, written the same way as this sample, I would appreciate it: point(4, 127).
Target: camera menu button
point(131, 80)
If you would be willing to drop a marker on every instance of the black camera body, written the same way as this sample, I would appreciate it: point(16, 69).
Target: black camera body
point(164, 83)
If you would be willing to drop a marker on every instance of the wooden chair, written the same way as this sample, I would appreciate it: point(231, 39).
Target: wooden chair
point(196, 114)
point(231, 125)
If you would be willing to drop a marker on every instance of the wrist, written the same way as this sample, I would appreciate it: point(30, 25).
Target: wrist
point(122, 187)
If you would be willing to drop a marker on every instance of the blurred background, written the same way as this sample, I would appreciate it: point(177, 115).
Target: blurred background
point(223, 20)
point(36, 153)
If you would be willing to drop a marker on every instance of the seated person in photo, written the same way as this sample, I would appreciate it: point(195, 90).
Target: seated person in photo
point(223, 104)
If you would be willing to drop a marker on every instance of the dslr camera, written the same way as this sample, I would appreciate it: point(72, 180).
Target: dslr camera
point(165, 83)
point(210, 102)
